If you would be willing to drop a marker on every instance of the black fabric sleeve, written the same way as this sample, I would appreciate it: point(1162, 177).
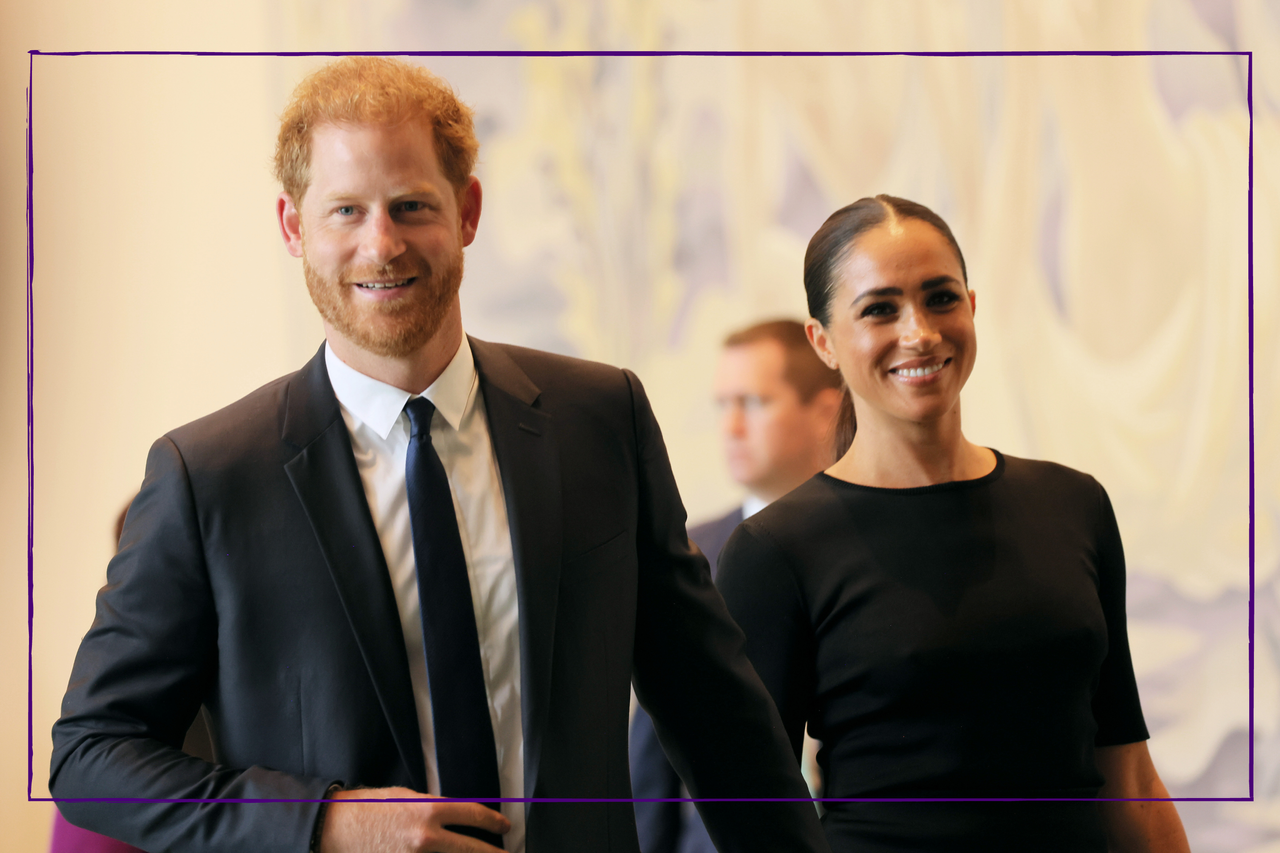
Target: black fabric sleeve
point(135, 687)
point(766, 602)
point(1116, 708)
point(712, 714)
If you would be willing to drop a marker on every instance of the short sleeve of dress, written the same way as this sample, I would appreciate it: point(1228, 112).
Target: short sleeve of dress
point(765, 600)
point(1116, 708)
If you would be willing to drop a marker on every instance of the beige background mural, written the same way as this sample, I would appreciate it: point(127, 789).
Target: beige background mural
point(637, 209)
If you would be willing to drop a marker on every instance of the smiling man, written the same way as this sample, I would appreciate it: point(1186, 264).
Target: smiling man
point(423, 565)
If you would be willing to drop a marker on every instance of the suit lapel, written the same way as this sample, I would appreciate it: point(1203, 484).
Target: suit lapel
point(524, 443)
point(328, 485)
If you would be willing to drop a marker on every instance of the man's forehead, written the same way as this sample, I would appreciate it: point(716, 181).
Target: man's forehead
point(332, 135)
point(344, 155)
point(761, 360)
point(761, 350)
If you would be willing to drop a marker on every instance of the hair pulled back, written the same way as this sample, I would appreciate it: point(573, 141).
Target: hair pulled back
point(830, 247)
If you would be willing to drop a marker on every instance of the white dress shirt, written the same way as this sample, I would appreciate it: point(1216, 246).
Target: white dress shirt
point(379, 428)
point(751, 505)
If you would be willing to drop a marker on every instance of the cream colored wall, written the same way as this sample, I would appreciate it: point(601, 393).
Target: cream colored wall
point(162, 291)
point(171, 298)
point(102, 383)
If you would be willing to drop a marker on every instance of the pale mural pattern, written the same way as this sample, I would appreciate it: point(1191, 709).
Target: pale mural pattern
point(639, 208)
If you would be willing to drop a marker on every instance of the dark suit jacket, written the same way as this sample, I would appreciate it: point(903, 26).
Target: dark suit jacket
point(250, 579)
point(710, 536)
point(672, 827)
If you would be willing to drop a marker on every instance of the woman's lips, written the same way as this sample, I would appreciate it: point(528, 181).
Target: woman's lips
point(917, 373)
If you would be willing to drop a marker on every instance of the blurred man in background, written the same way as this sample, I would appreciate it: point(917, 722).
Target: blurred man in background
point(778, 406)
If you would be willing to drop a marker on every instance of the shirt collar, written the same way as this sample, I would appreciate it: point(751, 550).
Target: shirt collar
point(751, 505)
point(377, 405)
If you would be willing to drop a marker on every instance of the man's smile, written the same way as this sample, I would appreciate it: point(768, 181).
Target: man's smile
point(384, 285)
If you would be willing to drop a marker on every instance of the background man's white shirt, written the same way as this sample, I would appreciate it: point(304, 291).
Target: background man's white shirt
point(379, 429)
point(751, 505)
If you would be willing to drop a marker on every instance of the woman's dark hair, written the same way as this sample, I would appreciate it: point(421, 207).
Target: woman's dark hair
point(830, 247)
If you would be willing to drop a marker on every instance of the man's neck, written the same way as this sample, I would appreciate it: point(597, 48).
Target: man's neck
point(413, 372)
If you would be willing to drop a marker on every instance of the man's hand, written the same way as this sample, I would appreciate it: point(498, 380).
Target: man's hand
point(404, 827)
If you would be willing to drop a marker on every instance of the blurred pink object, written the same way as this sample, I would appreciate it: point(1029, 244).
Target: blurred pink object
point(73, 839)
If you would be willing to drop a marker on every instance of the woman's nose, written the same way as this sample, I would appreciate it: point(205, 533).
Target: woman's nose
point(919, 331)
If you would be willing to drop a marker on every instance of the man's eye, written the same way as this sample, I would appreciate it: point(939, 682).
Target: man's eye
point(346, 210)
point(753, 402)
point(413, 206)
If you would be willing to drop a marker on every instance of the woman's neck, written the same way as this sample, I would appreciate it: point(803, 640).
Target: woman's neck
point(894, 454)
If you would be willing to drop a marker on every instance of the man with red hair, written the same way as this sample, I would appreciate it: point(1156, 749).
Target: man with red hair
point(424, 565)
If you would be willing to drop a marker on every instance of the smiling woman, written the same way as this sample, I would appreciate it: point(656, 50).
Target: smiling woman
point(948, 621)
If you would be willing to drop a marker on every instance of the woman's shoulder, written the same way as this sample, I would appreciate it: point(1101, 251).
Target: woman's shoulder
point(1041, 474)
point(778, 548)
point(792, 520)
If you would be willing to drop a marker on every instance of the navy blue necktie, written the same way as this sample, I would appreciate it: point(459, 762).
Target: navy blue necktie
point(465, 752)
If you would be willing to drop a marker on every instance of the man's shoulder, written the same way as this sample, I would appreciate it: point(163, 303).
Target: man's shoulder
point(559, 383)
point(542, 367)
point(295, 406)
point(716, 528)
point(710, 536)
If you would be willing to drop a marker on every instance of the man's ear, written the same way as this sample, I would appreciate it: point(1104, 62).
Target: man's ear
point(290, 224)
point(469, 210)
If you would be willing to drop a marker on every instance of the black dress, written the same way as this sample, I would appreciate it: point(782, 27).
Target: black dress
point(959, 640)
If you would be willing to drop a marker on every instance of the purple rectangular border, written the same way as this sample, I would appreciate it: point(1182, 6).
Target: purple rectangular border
point(619, 53)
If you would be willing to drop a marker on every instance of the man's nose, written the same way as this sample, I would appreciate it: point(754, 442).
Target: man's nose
point(733, 420)
point(381, 242)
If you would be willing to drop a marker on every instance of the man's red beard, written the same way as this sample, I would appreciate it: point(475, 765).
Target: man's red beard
point(395, 328)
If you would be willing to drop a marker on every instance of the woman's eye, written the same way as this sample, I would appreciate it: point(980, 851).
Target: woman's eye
point(879, 309)
point(943, 298)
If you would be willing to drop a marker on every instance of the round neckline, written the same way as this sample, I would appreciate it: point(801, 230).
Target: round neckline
point(951, 485)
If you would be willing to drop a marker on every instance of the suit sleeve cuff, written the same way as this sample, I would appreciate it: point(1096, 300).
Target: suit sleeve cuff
point(318, 829)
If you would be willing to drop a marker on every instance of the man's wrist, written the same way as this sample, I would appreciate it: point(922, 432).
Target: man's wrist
point(317, 829)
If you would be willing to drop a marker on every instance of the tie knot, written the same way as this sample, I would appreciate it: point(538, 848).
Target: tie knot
point(419, 410)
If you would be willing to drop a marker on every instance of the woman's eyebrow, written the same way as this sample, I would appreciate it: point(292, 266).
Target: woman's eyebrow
point(927, 284)
point(877, 291)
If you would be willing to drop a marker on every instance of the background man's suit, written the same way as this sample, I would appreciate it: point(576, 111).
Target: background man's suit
point(250, 578)
point(672, 827)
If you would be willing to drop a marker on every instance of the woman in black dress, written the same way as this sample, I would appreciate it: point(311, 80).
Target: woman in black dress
point(947, 620)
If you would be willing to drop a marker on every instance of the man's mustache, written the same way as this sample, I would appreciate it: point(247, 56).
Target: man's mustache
point(395, 271)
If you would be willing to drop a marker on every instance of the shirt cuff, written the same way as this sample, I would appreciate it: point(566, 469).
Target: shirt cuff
point(318, 829)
